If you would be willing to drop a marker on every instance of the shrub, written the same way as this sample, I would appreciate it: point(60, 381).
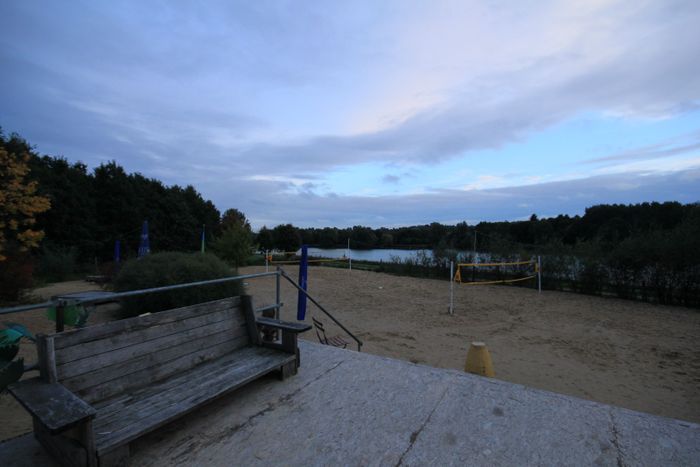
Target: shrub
point(15, 277)
point(56, 264)
point(162, 269)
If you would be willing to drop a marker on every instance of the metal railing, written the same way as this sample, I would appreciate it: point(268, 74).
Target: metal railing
point(312, 300)
point(61, 302)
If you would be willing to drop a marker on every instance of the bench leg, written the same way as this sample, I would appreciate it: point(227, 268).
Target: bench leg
point(287, 370)
point(72, 448)
point(118, 457)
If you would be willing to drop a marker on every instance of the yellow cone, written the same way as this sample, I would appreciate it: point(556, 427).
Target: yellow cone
point(479, 360)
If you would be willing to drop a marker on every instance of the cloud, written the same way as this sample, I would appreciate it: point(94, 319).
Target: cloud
point(256, 104)
point(268, 204)
point(655, 151)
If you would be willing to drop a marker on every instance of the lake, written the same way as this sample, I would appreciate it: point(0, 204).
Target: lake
point(366, 255)
point(379, 254)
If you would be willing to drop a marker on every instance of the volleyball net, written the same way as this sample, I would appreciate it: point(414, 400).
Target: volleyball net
point(292, 257)
point(497, 273)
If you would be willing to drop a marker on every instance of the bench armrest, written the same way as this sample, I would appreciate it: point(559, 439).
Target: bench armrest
point(52, 404)
point(283, 325)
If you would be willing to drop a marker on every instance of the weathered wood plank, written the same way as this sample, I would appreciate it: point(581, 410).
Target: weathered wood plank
point(115, 342)
point(153, 398)
point(46, 358)
point(236, 361)
point(117, 402)
point(249, 316)
point(181, 364)
point(68, 452)
point(100, 331)
point(118, 457)
point(210, 389)
point(55, 406)
point(286, 325)
point(124, 354)
point(156, 356)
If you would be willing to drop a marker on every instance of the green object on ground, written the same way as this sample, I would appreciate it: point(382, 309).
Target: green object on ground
point(73, 315)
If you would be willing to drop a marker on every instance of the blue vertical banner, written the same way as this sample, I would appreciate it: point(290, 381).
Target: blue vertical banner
point(117, 251)
point(144, 244)
point(303, 272)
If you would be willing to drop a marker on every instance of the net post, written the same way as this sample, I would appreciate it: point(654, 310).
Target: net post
point(539, 274)
point(452, 288)
point(267, 264)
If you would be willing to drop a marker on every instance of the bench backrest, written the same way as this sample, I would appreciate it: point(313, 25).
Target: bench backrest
point(98, 362)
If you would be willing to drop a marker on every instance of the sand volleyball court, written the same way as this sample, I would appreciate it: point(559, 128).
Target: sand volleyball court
point(635, 355)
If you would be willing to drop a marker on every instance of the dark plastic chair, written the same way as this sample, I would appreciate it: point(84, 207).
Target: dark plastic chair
point(335, 341)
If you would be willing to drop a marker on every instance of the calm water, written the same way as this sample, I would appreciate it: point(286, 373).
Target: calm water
point(382, 254)
point(366, 255)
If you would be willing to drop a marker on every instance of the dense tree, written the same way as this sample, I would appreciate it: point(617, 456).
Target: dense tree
point(265, 239)
point(19, 205)
point(287, 237)
point(234, 244)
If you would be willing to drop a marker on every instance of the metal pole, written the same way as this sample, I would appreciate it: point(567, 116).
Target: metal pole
point(60, 308)
point(539, 274)
point(267, 264)
point(474, 258)
point(452, 287)
point(291, 281)
point(349, 258)
point(277, 290)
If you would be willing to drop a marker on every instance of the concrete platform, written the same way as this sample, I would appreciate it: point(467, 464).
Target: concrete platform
point(347, 408)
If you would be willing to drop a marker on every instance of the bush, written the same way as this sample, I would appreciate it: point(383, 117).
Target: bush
point(15, 277)
point(162, 269)
point(56, 264)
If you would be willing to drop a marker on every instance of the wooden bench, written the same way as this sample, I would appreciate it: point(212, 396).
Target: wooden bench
point(103, 386)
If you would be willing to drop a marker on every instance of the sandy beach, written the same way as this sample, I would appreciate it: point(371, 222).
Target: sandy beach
point(635, 355)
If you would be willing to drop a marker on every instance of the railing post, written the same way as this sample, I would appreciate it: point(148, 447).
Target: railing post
point(60, 309)
point(452, 287)
point(277, 292)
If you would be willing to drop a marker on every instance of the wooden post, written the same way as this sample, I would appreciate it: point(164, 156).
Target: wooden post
point(452, 288)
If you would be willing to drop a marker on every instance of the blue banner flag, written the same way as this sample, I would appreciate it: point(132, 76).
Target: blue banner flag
point(144, 244)
point(303, 269)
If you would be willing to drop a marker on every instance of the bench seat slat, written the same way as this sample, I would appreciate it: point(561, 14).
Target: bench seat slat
point(152, 407)
point(151, 375)
point(112, 413)
point(124, 354)
point(91, 333)
point(158, 356)
point(126, 339)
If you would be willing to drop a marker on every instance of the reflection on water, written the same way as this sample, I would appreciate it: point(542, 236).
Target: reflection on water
point(387, 254)
point(367, 255)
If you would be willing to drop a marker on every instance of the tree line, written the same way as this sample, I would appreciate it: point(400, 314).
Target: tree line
point(56, 213)
point(606, 225)
point(646, 251)
point(78, 216)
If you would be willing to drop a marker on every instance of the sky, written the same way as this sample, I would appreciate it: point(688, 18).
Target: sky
point(377, 113)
